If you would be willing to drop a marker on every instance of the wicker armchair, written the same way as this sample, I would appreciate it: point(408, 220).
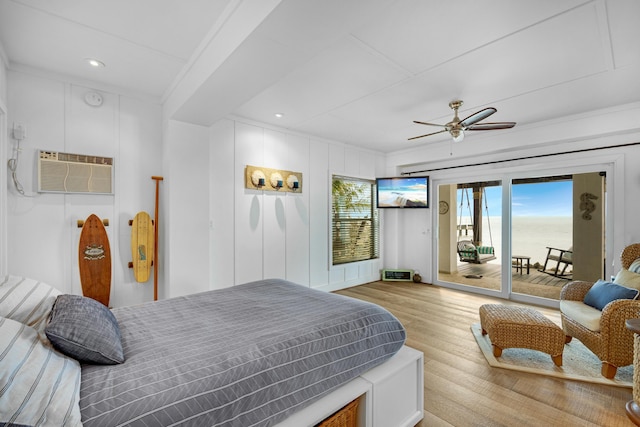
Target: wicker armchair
point(613, 344)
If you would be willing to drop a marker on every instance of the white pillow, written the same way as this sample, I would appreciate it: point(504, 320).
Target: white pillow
point(39, 385)
point(26, 301)
point(627, 278)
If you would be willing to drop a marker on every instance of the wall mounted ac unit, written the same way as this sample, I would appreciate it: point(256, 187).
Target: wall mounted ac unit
point(74, 173)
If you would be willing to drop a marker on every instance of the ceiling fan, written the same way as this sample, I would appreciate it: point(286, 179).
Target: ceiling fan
point(457, 127)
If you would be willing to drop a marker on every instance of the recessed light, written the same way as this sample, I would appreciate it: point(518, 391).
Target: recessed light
point(94, 62)
point(279, 115)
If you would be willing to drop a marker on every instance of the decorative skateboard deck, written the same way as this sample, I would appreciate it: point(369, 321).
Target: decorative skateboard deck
point(142, 240)
point(94, 260)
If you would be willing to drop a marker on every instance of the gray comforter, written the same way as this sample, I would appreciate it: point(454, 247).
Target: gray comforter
point(249, 355)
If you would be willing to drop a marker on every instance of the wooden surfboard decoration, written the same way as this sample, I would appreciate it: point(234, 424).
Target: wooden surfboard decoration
point(142, 245)
point(94, 260)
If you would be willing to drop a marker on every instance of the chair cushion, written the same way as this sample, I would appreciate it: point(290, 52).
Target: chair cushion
point(485, 250)
point(628, 279)
point(602, 293)
point(582, 313)
point(567, 256)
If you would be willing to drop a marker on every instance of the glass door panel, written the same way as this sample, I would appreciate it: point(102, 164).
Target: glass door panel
point(541, 225)
point(469, 234)
point(546, 226)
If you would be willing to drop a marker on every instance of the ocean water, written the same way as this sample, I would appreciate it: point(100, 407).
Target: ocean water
point(530, 235)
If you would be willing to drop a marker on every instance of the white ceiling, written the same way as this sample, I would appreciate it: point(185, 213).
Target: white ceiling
point(357, 71)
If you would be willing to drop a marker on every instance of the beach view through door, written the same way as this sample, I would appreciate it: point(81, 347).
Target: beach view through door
point(541, 235)
point(557, 228)
point(556, 233)
point(469, 234)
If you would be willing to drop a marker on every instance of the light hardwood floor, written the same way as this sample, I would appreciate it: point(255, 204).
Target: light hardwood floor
point(461, 389)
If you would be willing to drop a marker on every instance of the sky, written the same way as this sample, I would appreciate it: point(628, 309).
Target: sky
point(539, 199)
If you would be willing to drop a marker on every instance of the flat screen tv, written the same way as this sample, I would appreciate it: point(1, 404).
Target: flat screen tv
point(403, 192)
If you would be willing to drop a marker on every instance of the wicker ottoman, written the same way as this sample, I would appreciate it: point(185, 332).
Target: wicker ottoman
point(521, 327)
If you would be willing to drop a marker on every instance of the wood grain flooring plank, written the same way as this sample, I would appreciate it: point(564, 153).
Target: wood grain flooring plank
point(461, 389)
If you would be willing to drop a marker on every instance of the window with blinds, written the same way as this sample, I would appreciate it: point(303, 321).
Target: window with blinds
point(354, 220)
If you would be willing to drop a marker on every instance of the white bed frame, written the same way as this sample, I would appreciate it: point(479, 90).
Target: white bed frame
point(391, 394)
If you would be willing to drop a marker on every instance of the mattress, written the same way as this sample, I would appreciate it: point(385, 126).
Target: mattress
point(249, 355)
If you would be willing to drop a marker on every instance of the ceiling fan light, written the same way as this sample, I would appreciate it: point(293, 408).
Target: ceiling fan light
point(456, 127)
point(458, 135)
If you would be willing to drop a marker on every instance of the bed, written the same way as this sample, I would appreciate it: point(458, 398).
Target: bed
point(249, 355)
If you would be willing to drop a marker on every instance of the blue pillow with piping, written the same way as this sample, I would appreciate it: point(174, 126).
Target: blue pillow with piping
point(602, 293)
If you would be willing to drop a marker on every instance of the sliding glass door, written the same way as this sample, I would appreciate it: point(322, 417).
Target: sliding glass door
point(528, 239)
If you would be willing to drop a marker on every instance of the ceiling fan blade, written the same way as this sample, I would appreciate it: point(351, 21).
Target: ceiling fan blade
point(491, 126)
point(476, 117)
point(429, 124)
point(428, 134)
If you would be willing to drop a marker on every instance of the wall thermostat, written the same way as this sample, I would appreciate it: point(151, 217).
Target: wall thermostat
point(93, 98)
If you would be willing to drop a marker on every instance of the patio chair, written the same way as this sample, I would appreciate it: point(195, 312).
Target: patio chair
point(604, 332)
point(562, 257)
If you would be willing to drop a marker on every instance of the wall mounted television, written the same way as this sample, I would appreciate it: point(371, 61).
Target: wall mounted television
point(403, 192)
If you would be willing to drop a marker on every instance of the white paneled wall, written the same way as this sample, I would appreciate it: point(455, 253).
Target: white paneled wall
point(42, 230)
point(297, 212)
point(3, 81)
point(249, 206)
point(214, 233)
point(318, 185)
point(222, 192)
point(4, 137)
point(138, 159)
point(283, 235)
point(3, 181)
point(186, 187)
point(274, 233)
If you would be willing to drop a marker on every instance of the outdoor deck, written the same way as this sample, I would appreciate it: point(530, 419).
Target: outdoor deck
point(488, 276)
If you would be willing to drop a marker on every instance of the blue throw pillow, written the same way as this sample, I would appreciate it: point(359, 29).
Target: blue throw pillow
point(86, 330)
point(602, 293)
